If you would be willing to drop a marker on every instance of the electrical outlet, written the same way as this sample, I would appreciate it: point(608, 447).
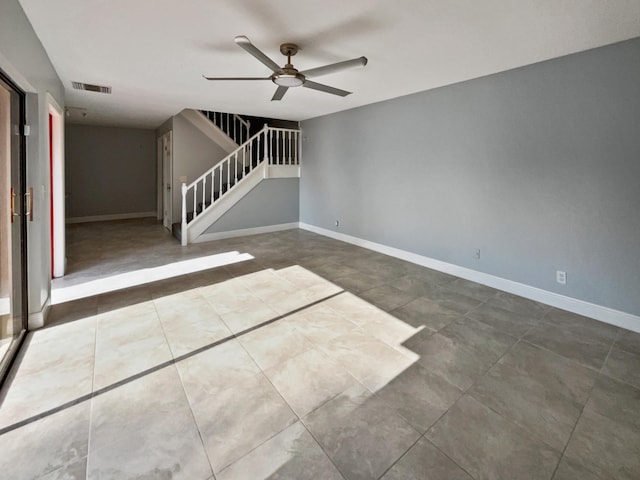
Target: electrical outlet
point(561, 277)
point(337, 223)
point(476, 254)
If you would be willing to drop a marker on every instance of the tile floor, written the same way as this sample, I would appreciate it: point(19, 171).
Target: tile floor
point(313, 360)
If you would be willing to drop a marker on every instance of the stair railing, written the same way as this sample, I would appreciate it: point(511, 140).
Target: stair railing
point(234, 126)
point(273, 146)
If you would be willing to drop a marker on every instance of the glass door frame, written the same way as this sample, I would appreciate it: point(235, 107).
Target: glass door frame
point(8, 358)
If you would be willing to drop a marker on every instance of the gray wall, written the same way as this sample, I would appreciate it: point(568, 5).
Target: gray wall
point(539, 167)
point(193, 154)
point(24, 59)
point(109, 170)
point(273, 201)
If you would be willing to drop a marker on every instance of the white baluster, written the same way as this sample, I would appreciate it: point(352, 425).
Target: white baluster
point(290, 147)
point(228, 174)
point(235, 165)
point(204, 192)
point(220, 174)
point(195, 200)
point(259, 139)
point(213, 185)
point(266, 143)
point(183, 232)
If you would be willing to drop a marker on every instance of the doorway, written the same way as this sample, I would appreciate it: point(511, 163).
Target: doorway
point(15, 207)
point(167, 173)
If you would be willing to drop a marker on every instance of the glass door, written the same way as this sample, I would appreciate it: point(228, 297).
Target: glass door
point(14, 209)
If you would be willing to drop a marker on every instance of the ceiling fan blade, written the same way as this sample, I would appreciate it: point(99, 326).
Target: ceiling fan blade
point(237, 78)
point(280, 91)
point(335, 67)
point(250, 48)
point(325, 88)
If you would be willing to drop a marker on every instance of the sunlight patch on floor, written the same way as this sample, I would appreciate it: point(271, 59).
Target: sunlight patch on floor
point(145, 275)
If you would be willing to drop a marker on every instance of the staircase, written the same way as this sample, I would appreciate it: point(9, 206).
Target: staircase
point(270, 153)
point(234, 126)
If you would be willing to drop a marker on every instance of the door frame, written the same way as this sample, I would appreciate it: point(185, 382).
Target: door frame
point(159, 184)
point(24, 291)
point(56, 188)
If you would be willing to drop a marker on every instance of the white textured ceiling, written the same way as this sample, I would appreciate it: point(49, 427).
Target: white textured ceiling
point(153, 52)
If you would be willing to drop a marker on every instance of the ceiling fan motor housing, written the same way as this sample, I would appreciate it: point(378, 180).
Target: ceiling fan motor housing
point(288, 76)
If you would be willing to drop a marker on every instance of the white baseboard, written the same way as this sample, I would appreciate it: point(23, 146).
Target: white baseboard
point(597, 312)
point(116, 216)
point(207, 237)
point(38, 319)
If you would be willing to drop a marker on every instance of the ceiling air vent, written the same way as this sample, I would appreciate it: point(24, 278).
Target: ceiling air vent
point(91, 88)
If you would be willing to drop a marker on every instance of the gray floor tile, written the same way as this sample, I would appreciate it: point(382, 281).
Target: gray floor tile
point(50, 371)
point(308, 380)
point(361, 434)
point(123, 298)
point(424, 461)
point(558, 374)
point(189, 322)
point(442, 355)
point(321, 324)
point(420, 396)
point(372, 362)
point(578, 323)
point(128, 341)
point(74, 471)
point(387, 297)
point(145, 429)
point(515, 324)
point(485, 342)
point(251, 315)
point(239, 418)
point(291, 454)
point(416, 359)
point(70, 311)
point(331, 270)
point(357, 282)
point(413, 285)
point(205, 375)
point(517, 304)
point(571, 470)
point(610, 449)
point(623, 365)
point(616, 400)
point(275, 343)
point(573, 343)
point(544, 395)
point(471, 289)
point(452, 300)
point(432, 277)
point(490, 447)
point(423, 312)
point(628, 341)
point(45, 445)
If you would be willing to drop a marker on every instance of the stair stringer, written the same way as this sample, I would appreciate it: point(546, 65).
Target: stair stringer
point(203, 221)
point(206, 126)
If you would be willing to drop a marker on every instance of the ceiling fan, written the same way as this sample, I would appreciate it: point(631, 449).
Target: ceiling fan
point(288, 76)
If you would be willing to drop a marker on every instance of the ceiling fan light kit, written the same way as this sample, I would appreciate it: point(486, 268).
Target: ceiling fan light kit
point(288, 76)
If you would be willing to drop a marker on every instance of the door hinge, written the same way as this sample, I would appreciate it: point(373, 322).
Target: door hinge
point(26, 130)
